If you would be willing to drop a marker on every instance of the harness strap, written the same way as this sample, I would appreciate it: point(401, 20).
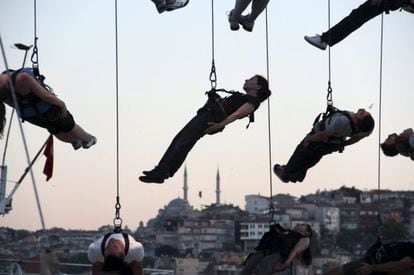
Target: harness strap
point(330, 111)
point(106, 237)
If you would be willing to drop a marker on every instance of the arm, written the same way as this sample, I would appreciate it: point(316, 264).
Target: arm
point(354, 139)
point(136, 268)
point(26, 83)
point(97, 268)
point(405, 264)
point(243, 111)
point(319, 136)
point(302, 244)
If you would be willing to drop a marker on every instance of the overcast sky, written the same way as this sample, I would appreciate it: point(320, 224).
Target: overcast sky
point(164, 65)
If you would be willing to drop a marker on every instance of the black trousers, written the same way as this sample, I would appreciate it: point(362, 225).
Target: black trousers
point(357, 18)
point(304, 158)
point(184, 141)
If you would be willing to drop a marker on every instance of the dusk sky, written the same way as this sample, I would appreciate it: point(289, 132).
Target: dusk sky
point(164, 66)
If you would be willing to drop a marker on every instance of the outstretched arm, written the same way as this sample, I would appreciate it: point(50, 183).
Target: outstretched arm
point(243, 111)
point(26, 83)
point(405, 264)
point(354, 139)
point(301, 246)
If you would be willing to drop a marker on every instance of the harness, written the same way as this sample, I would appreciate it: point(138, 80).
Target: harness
point(322, 118)
point(31, 105)
point(212, 95)
point(106, 237)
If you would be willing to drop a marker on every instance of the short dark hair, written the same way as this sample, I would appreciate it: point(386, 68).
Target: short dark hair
point(389, 149)
point(114, 262)
point(366, 124)
point(264, 91)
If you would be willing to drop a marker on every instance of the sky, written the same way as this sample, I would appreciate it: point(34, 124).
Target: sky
point(164, 66)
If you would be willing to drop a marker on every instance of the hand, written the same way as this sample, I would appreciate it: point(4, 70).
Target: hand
point(279, 266)
point(364, 269)
point(213, 128)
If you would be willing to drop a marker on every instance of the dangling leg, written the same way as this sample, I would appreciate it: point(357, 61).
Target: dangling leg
point(180, 146)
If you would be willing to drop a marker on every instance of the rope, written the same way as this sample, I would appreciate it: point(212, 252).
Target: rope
point(271, 207)
point(329, 95)
point(213, 75)
point(24, 141)
point(117, 220)
point(7, 139)
point(379, 126)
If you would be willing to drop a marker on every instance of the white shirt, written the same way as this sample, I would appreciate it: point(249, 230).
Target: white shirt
point(135, 252)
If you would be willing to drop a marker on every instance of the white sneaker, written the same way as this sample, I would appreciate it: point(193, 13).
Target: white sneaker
point(316, 41)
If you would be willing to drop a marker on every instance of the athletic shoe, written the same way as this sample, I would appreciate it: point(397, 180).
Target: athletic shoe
point(77, 144)
point(278, 170)
point(177, 4)
point(316, 41)
point(246, 23)
point(90, 143)
point(234, 24)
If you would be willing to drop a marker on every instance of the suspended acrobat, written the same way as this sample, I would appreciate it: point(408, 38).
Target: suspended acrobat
point(169, 5)
point(402, 144)
point(246, 21)
point(210, 119)
point(118, 252)
point(277, 249)
point(390, 258)
point(41, 107)
point(356, 19)
point(331, 134)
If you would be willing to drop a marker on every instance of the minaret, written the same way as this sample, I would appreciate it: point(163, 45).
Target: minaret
point(185, 187)
point(218, 187)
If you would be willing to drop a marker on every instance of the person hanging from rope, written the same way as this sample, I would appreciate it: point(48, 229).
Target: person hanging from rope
point(41, 107)
point(210, 119)
point(359, 16)
point(331, 134)
point(247, 21)
point(116, 252)
point(277, 249)
point(402, 144)
point(390, 258)
point(169, 5)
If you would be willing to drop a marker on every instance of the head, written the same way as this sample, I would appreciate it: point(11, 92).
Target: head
point(114, 255)
point(364, 121)
point(258, 86)
point(304, 229)
point(388, 146)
